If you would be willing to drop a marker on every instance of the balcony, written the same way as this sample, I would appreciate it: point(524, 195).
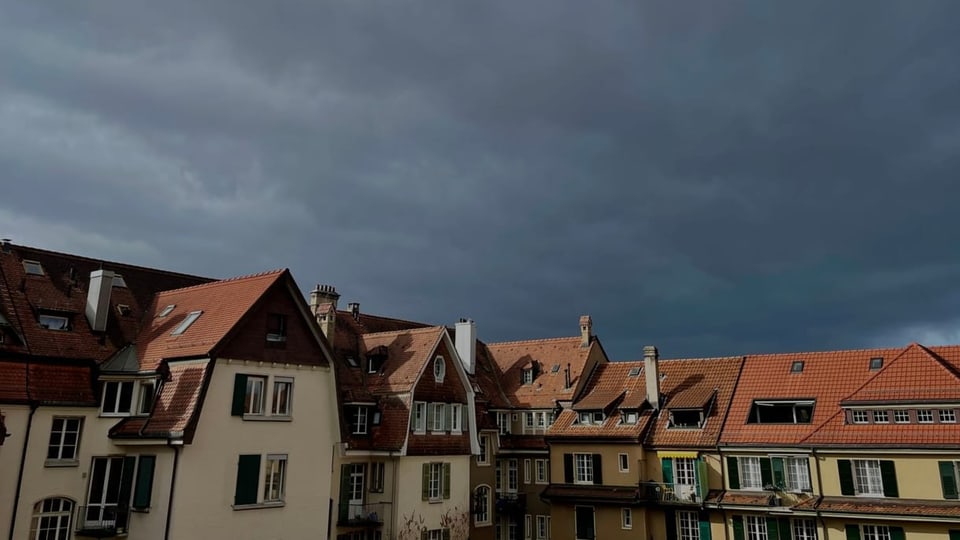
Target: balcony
point(681, 494)
point(102, 520)
point(511, 504)
point(362, 514)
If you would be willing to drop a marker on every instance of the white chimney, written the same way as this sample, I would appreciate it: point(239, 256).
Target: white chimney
point(466, 342)
point(98, 299)
point(652, 375)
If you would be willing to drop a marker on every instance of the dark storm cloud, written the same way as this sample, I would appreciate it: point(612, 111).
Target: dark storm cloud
point(711, 177)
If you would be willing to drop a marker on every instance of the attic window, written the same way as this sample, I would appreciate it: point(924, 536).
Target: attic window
point(33, 268)
point(166, 311)
point(781, 412)
point(123, 310)
point(555, 368)
point(876, 363)
point(797, 366)
point(527, 376)
point(629, 416)
point(686, 418)
point(276, 328)
point(439, 369)
point(53, 322)
point(375, 363)
point(118, 281)
point(191, 318)
point(634, 372)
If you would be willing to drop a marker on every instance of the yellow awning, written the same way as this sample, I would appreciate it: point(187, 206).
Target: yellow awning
point(677, 454)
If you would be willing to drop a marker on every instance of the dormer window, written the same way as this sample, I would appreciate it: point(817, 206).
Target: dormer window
point(166, 311)
point(781, 412)
point(555, 368)
point(148, 390)
point(376, 358)
point(358, 420)
point(191, 318)
point(629, 416)
point(117, 398)
point(33, 268)
point(598, 417)
point(53, 322)
point(123, 310)
point(686, 418)
point(276, 328)
point(439, 369)
point(527, 376)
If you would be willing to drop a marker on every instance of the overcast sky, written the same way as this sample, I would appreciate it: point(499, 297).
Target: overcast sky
point(712, 177)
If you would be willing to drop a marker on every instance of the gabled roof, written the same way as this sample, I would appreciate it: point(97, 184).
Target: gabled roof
point(608, 383)
point(916, 375)
point(408, 353)
point(549, 386)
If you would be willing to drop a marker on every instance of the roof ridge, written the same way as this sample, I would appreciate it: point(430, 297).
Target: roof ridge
point(540, 340)
point(347, 312)
point(112, 263)
point(227, 281)
point(405, 331)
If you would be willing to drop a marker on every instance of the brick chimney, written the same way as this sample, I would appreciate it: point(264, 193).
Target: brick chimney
point(323, 304)
point(586, 330)
point(651, 361)
point(98, 299)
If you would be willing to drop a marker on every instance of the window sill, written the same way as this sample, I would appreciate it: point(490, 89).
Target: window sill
point(117, 414)
point(434, 501)
point(58, 463)
point(257, 506)
point(265, 418)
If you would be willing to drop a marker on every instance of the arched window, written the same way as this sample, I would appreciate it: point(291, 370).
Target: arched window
point(481, 505)
point(439, 369)
point(51, 519)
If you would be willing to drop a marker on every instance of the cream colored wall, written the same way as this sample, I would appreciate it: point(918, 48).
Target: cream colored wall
point(607, 523)
point(206, 481)
point(610, 461)
point(16, 417)
point(918, 475)
point(410, 502)
point(40, 481)
point(835, 528)
point(390, 493)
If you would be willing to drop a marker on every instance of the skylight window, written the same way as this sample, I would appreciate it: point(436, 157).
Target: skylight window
point(797, 366)
point(118, 281)
point(876, 363)
point(33, 268)
point(191, 318)
point(555, 368)
point(166, 311)
point(634, 372)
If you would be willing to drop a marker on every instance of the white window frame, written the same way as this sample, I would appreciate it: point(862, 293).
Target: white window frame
point(543, 529)
point(69, 425)
point(527, 376)
point(513, 476)
point(54, 322)
point(117, 398)
point(685, 471)
point(377, 476)
point(253, 404)
point(623, 460)
point(146, 395)
point(629, 417)
point(867, 477)
point(435, 486)
point(455, 417)
point(275, 478)
point(285, 383)
point(797, 472)
point(860, 417)
point(527, 526)
point(584, 417)
point(924, 416)
point(750, 478)
point(527, 472)
point(688, 525)
point(947, 416)
point(582, 468)
point(33, 268)
point(359, 416)
point(419, 416)
point(439, 369)
point(503, 423)
point(541, 418)
point(875, 532)
point(482, 514)
point(186, 323)
point(52, 518)
point(881, 417)
point(528, 420)
point(626, 519)
point(756, 527)
point(901, 416)
point(804, 529)
point(542, 467)
point(439, 417)
point(483, 458)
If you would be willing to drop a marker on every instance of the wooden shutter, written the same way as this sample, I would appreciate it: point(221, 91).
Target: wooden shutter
point(766, 472)
point(773, 529)
point(239, 394)
point(737, 522)
point(846, 478)
point(703, 479)
point(597, 469)
point(733, 476)
point(126, 488)
point(785, 532)
point(568, 468)
point(445, 534)
point(248, 477)
point(704, 522)
point(779, 479)
point(948, 481)
point(425, 486)
point(144, 485)
point(344, 492)
point(896, 533)
point(446, 480)
point(853, 532)
point(888, 473)
point(954, 535)
point(666, 464)
point(670, 522)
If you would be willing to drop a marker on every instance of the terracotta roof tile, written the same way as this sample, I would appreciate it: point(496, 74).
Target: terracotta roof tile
point(613, 494)
point(408, 353)
point(176, 406)
point(885, 507)
point(549, 386)
point(915, 375)
point(744, 498)
point(46, 382)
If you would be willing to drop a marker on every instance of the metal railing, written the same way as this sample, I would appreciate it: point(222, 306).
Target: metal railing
point(671, 493)
point(362, 513)
point(102, 520)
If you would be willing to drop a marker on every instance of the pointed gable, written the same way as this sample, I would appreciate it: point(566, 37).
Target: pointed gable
point(916, 375)
point(553, 356)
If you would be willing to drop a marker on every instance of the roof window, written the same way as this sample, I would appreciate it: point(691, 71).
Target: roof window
point(555, 368)
point(53, 322)
point(686, 418)
point(118, 281)
point(166, 311)
point(33, 268)
point(796, 366)
point(191, 318)
point(634, 372)
point(781, 412)
point(876, 363)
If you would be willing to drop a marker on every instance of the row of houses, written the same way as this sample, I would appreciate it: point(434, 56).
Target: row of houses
point(149, 404)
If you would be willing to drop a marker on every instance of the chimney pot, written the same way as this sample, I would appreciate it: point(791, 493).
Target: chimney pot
point(651, 368)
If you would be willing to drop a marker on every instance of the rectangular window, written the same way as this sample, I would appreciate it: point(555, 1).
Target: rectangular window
point(503, 422)
point(248, 479)
point(148, 390)
point(628, 417)
point(434, 489)
point(804, 529)
point(187, 322)
point(781, 412)
point(282, 397)
point(528, 419)
point(254, 396)
point(499, 477)
point(275, 478)
point(947, 416)
point(881, 417)
point(685, 471)
point(376, 476)
point(419, 417)
point(798, 473)
point(867, 477)
point(901, 416)
point(117, 397)
point(528, 376)
point(626, 518)
point(542, 466)
point(925, 416)
point(583, 468)
point(53, 322)
point(624, 463)
point(756, 528)
point(526, 471)
point(527, 526)
point(276, 328)
point(750, 477)
point(358, 420)
point(541, 420)
point(583, 417)
point(860, 417)
point(64, 439)
point(876, 532)
point(689, 525)
point(542, 528)
point(597, 417)
point(111, 481)
point(32, 268)
point(585, 527)
point(455, 417)
point(483, 458)
point(512, 476)
point(439, 416)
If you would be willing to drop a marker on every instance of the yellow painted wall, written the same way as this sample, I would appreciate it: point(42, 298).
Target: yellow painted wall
point(612, 475)
point(918, 476)
point(16, 422)
point(835, 528)
point(607, 520)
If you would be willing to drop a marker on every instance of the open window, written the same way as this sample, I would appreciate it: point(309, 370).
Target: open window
point(781, 412)
point(276, 328)
point(687, 418)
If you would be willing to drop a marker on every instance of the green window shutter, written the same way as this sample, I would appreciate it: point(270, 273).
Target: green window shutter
point(597, 469)
point(733, 475)
point(888, 473)
point(667, 465)
point(344, 492)
point(703, 479)
point(846, 478)
point(248, 478)
point(785, 529)
point(430, 416)
point(737, 522)
point(144, 485)
point(779, 479)
point(853, 532)
point(896, 533)
point(446, 534)
point(239, 394)
point(773, 529)
point(670, 522)
point(766, 472)
point(948, 481)
point(446, 480)
point(705, 533)
point(954, 535)
point(568, 468)
point(425, 488)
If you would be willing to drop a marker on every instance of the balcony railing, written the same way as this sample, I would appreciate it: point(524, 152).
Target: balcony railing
point(102, 520)
point(372, 514)
point(511, 504)
point(672, 493)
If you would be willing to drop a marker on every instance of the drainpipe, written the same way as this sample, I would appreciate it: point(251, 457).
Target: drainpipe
point(23, 460)
point(723, 483)
point(823, 522)
point(176, 445)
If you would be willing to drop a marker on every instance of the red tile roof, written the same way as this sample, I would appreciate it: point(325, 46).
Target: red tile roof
point(884, 507)
point(915, 375)
point(741, 498)
point(628, 495)
point(549, 386)
point(177, 406)
point(47, 383)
